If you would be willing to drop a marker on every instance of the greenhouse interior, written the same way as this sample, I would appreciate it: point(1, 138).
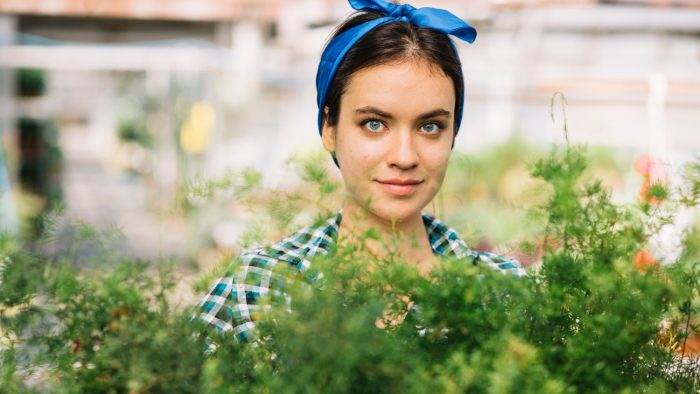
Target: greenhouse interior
point(146, 144)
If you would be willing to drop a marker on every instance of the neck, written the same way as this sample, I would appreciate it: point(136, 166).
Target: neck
point(405, 240)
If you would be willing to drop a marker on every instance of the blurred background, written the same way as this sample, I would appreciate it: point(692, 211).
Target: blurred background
point(108, 108)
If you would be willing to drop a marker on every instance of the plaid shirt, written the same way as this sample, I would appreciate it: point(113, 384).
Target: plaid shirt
point(232, 302)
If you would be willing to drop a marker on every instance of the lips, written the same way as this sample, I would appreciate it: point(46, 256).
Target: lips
point(400, 187)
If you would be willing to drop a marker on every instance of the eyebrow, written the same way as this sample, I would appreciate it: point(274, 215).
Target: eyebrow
point(379, 112)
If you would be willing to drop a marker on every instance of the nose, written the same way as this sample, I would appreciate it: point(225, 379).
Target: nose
point(402, 151)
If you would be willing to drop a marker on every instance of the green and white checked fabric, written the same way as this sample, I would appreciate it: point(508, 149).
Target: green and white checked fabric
point(232, 302)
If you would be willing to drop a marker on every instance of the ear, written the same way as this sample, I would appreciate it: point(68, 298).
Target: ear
point(328, 133)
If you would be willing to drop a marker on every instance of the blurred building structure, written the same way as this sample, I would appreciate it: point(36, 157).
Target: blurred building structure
point(630, 70)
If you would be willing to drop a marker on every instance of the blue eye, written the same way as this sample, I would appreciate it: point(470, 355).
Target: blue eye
point(430, 128)
point(374, 125)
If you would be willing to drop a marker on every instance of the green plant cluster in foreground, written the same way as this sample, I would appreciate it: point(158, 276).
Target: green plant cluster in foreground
point(587, 321)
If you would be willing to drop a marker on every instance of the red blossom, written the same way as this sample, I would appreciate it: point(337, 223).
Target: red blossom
point(691, 346)
point(654, 174)
point(643, 260)
point(650, 168)
point(646, 195)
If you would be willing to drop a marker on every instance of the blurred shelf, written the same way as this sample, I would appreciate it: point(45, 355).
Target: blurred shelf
point(123, 58)
point(678, 92)
point(189, 10)
point(645, 3)
point(32, 107)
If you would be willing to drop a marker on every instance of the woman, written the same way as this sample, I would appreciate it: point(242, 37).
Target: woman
point(390, 96)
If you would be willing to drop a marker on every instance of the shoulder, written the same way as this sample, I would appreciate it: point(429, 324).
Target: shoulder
point(446, 241)
point(232, 301)
point(291, 255)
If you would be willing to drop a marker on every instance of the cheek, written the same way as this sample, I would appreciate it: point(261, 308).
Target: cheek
point(353, 163)
point(358, 155)
point(436, 158)
point(436, 166)
point(359, 170)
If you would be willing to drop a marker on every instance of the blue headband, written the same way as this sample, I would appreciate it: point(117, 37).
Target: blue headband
point(431, 18)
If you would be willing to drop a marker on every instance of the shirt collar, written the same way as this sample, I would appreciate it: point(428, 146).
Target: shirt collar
point(320, 239)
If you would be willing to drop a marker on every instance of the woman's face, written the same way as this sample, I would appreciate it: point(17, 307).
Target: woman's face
point(394, 137)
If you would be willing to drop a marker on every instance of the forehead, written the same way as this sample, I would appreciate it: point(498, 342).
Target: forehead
point(408, 85)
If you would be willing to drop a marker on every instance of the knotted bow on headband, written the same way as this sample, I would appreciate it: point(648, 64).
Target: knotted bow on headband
point(431, 18)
